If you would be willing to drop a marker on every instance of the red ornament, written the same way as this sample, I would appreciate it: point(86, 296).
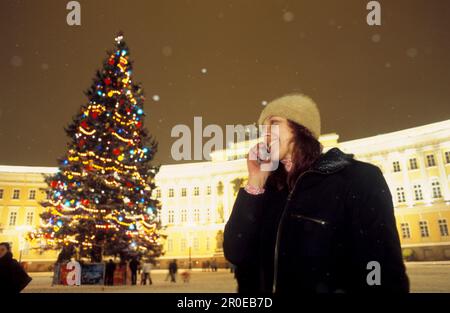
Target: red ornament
point(54, 183)
point(129, 184)
point(85, 202)
point(111, 61)
point(94, 114)
point(107, 81)
point(81, 142)
point(116, 151)
point(138, 124)
point(84, 124)
point(121, 101)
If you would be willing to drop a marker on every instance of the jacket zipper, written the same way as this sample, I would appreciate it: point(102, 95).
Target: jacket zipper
point(283, 213)
point(316, 220)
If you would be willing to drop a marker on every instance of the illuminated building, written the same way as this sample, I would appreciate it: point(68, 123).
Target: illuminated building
point(197, 198)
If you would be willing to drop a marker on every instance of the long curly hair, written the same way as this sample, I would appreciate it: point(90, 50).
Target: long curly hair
point(306, 151)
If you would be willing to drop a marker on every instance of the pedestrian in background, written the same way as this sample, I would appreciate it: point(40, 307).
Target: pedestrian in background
point(146, 273)
point(13, 278)
point(134, 265)
point(109, 272)
point(173, 268)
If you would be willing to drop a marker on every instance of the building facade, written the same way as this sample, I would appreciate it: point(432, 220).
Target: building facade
point(197, 198)
point(20, 195)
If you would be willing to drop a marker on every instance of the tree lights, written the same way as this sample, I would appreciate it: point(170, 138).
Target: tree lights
point(99, 202)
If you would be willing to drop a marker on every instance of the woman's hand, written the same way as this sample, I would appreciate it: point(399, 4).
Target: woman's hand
point(257, 156)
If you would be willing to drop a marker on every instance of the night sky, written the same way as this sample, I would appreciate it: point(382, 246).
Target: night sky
point(221, 60)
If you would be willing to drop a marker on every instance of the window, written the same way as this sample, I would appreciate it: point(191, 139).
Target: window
point(430, 160)
point(196, 215)
point(396, 166)
point(208, 215)
point(16, 194)
point(413, 164)
point(406, 233)
point(208, 190)
point(1, 193)
point(447, 157)
point(400, 195)
point(196, 191)
point(424, 229)
point(183, 192)
point(183, 244)
point(436, 189)
point(158, 193)
point(29, 218)
point(171, 216)
point(196, 244)
point(170, 245)
point(12, 218)
point(171, 192)
point(443, 227)
point(32, 195)
point(183, 216)
point(418, 192)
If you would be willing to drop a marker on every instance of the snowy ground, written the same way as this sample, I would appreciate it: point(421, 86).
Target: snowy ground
point(425, 277)
point(221, 281)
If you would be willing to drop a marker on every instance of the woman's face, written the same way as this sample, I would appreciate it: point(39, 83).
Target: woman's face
point(3, 251)
point(280, 135)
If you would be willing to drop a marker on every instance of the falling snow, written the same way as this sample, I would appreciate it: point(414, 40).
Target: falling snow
point(288, 16)
point(264, 102)
point(156, 98)
point(376, 37)
point(167, 51)
point(204, 70)
point(412, 52)
point(16, 61)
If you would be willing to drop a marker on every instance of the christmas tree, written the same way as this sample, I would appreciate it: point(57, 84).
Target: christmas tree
point(101, 201)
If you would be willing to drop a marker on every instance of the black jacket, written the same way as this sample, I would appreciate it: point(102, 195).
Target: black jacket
point(13, 277)
point(321, 236)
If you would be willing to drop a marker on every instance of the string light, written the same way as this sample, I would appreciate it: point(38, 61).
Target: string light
point(89, 178)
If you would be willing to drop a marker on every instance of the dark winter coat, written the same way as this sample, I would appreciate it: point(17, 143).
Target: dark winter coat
point(134, 265)
point(173, 267)
point(321, 236)
point(13, 278)
point(110, 268)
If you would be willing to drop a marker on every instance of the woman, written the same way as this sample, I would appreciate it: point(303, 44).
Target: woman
point(13, 277)
point(321, 222)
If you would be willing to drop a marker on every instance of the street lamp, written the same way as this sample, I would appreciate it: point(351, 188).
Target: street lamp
point(190, 250)
point(190, 258)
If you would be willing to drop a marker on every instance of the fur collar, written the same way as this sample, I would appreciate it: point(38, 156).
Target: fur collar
point(332, 160)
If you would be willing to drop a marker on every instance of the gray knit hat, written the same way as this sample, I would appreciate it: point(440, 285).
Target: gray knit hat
point(298, 108)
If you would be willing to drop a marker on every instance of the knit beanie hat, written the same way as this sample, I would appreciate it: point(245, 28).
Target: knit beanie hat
point(298, 108)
